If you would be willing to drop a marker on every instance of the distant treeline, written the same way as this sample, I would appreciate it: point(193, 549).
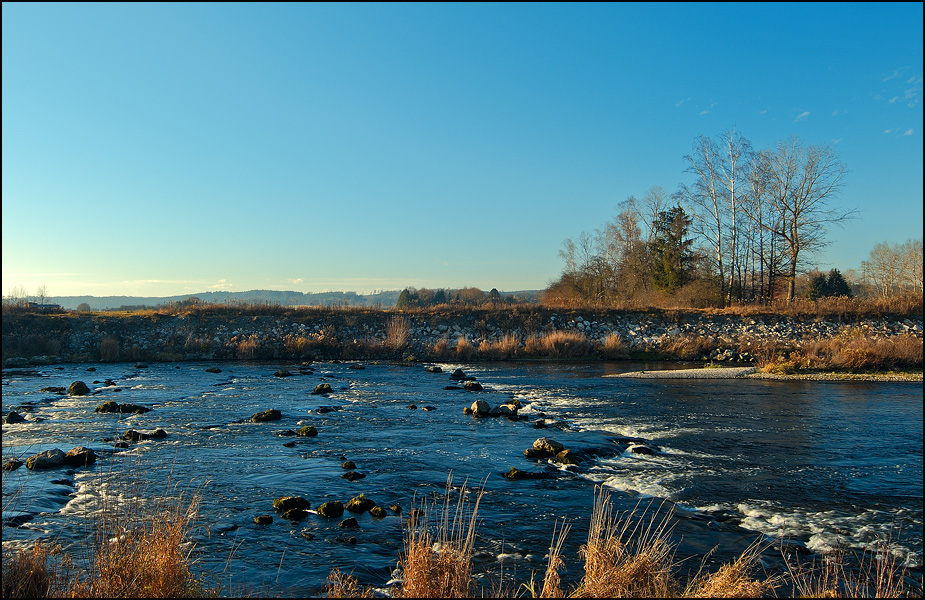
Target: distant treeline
point(468, 296)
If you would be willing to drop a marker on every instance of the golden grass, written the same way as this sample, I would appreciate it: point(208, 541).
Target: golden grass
point(733, 580)
point(623, 558)
point(437, 559)
point(558, 344)
point(877, 574)
point(613, 346)
point(31, 572)
point(341, 585)
point(136, 549)
point(398, 332)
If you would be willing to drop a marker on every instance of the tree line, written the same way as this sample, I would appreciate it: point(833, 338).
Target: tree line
point(740, 231)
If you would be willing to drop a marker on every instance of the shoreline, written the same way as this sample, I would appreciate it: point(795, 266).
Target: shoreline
point(753, 373)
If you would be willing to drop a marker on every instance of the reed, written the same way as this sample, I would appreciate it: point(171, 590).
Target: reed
point(136, 549)
point(437, 559)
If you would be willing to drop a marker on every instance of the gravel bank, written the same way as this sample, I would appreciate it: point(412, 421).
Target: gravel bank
point(752, 373)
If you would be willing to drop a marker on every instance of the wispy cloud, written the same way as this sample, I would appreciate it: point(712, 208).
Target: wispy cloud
point(801, 116)
point(908, 132)
point(296, 280)
point(678, 105)
point(896, 73)
point(708, 109)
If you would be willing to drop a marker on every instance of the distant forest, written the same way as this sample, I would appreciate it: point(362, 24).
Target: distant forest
point(381, 299)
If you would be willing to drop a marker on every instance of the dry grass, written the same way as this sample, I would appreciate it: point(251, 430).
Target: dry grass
point(877, 574)
point(501, 349)
point(558, 344)
point(689, 347)
point(733, 580)
point(135, 549)
point(853, 350)
point(465, 350)
point(341, 585)
point(626, 559)
point(398, 332)
point(31, 572)
point(437, 559)
point(613, 346)
point(109, 349)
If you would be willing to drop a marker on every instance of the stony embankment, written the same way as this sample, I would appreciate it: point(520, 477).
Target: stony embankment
point(423, 335)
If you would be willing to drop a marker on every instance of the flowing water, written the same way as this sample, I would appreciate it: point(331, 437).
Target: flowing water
point(802, 465)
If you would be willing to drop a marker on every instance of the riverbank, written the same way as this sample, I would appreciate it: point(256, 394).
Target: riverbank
point(753, 373)
point(781, 344)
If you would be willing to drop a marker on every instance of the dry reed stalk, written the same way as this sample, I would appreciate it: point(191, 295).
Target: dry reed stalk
point(398, 332)
point(345, 586)
point(878, 573)
point(733, 580)
point(552, 583)
point(623, 559)
point(31, 572)
point(438, 563)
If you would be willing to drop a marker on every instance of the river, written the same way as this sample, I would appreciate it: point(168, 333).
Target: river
point(814, 465)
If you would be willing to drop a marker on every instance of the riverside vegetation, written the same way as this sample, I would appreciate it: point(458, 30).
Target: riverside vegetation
point(139, 551)
point(831, 334)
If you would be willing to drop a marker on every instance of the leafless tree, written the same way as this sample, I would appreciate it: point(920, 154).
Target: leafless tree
point(801, 184)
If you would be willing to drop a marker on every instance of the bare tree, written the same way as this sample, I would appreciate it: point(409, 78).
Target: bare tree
point(802, 181)
point(894, 268)
point(704, 199)
point(41, 295)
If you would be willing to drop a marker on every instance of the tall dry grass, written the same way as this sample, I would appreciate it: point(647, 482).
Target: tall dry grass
point(437, 558)
point(398, 332)
point(625, 557)
point(878, 573)
point(558, 344)
point(135, 548)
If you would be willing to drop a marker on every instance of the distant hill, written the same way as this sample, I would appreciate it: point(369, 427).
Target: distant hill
point(384, 299)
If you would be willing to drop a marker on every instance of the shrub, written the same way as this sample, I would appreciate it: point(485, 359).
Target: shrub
point(109, 349)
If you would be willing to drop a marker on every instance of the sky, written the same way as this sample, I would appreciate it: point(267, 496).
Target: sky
point(166, 149)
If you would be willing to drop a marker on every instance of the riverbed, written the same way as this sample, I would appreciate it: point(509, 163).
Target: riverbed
point(807, 466)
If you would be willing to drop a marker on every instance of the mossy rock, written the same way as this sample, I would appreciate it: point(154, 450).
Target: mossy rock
point(80, 457)
point(353, 475)
point(284, 503)
point(548, 446)
point(133, 409)
point(378, 512)
point(294, 514)
point(360, 504)
point(395, 508)
point(333, 509)
point(110, 406)
point(14, 417)
point(213, 370)
point(568, 457)
point(473, 386)
point(282, 373)
point(267, 415)
point(516, 474)
point(349, 523)
point(263, 519)
point(322, 388)
point(307, 431)
point(78, 388)
point(349, 465)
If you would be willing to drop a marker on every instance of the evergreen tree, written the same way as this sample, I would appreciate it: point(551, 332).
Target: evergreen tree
point(670, 249)
point(836, 285)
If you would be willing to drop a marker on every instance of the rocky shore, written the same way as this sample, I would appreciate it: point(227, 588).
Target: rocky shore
point(417, 335)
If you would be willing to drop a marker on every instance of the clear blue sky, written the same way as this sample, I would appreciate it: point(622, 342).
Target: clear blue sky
point(177, 148)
